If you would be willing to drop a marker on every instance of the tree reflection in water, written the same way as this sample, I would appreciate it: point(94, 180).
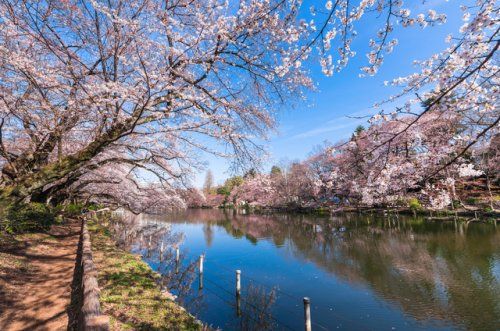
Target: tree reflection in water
point(431, 270)
point(155, 241)
point(256, 311)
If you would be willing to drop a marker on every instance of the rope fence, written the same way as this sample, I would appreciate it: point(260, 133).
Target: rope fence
point(234, 299)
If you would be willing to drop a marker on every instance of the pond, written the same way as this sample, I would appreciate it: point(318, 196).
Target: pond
point(361, 272)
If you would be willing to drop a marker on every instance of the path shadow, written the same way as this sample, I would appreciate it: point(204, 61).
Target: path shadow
point(74, 309)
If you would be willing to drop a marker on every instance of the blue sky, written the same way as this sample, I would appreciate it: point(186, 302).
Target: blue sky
point(323, 117)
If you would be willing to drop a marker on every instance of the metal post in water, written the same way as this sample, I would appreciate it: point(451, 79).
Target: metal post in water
point(201, 271)
point(238, 305)
point(161, 250)
point(238, 282)
point(177, 260)
point(238, 292)
point(149, 247)
point(201, 281)
point(307, 314)
point(201, 264)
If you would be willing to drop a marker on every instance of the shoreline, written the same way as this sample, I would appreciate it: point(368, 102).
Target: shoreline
point(429, 214)
point(130, 294)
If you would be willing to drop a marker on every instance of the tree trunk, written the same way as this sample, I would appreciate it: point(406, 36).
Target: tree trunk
point(28, 185)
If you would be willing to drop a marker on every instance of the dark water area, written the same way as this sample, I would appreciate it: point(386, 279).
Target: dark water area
point(360, 272)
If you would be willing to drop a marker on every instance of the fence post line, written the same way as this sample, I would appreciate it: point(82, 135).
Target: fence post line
point(307, 314)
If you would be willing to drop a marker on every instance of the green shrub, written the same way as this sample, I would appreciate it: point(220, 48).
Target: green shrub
point(94, 207)
point(28, 217)
point(472, 200)
point(73, 209)
point(414, 204)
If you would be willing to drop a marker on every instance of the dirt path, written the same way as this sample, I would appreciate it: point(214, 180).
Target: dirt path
point(35, 280)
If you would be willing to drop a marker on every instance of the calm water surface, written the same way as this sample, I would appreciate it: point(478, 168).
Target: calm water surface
point(360, 272)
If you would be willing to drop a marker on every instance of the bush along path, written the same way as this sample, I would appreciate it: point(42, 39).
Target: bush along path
point(129, 294)
point(36, 273)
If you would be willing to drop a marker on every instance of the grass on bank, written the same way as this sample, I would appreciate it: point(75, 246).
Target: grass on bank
point(129, 293)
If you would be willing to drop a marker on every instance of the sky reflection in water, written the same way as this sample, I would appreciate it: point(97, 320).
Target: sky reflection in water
point(361, 272)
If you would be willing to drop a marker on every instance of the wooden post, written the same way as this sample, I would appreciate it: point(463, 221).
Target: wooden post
point(307, 314)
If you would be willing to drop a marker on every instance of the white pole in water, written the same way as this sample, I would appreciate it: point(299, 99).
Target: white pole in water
point(307, 314)
point(238, 282)
point(161, 248)
point(201, 263)
point(177, 259)
point(238, 293)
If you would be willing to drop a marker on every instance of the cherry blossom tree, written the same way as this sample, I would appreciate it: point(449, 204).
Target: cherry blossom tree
point(431, 141)
point(193, 197)
point(460, 83)
point(257, 191)
point(141, 83)
point(369, 171)
point(133, 89)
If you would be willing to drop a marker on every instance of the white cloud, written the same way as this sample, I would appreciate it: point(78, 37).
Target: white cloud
point(337, 124)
